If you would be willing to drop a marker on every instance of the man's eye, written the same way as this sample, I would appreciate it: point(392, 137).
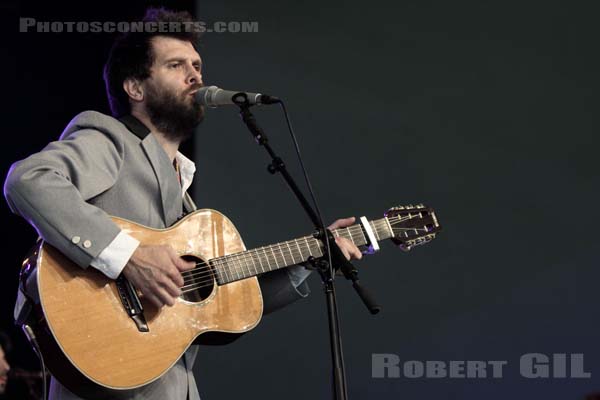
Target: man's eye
point(174, 65)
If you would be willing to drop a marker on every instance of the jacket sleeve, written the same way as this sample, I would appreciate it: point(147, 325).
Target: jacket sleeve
point(50, 189)
point(282, 287)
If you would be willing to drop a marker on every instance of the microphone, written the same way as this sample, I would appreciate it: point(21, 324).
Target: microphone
point(213, 96)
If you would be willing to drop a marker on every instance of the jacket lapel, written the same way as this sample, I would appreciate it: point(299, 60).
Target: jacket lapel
point(170, 189)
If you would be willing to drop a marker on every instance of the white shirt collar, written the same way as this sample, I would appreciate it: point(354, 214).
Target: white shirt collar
point(187, 168)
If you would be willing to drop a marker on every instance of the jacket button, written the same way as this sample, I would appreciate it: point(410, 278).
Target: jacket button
point(87, 244)
point(75, 239)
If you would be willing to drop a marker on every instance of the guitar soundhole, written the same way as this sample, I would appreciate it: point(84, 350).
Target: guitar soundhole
point(199, 282)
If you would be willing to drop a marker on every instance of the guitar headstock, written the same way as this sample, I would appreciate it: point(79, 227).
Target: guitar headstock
point(412, 225)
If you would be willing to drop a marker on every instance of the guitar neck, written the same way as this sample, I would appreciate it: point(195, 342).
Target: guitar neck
point(234, 267)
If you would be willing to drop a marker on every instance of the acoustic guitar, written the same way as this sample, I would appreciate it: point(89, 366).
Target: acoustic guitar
point(93, 330)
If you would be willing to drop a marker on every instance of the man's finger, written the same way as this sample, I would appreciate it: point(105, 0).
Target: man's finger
point(342, 223)
point(153, 299)
point(183, 265)
point(172, 287)
point(164, 296)
point(348, 248)
point(175, 276)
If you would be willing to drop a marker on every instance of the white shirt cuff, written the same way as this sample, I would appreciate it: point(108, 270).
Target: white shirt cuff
point(115, 256)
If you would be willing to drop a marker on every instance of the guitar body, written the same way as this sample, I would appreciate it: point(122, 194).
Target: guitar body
point(86, 319)
point(95, 332)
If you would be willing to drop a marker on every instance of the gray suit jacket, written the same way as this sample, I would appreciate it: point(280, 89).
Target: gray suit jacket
point(98, 168)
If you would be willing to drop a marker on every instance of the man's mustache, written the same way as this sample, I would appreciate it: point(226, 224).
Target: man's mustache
point(194, 88)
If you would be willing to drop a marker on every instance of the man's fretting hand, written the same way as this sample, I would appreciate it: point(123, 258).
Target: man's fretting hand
point(156, 272)
point(351, 252)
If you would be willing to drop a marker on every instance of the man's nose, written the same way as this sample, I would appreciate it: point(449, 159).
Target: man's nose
point(4, 366)
point(194, 77)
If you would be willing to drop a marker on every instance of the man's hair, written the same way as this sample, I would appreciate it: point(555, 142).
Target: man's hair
point(131, 55)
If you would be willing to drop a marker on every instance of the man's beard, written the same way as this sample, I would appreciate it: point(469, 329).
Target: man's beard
point(175, 117)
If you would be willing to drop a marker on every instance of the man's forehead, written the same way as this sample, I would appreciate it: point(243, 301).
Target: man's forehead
point(168, 47)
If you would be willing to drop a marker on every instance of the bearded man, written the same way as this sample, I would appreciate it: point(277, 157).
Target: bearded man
point(128, 165)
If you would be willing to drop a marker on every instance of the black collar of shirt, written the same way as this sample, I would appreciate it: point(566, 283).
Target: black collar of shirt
point(135, 126)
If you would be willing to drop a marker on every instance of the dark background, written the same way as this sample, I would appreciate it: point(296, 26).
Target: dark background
point(483, 110)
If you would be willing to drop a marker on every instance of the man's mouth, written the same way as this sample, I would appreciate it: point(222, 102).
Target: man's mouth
point(194, 91)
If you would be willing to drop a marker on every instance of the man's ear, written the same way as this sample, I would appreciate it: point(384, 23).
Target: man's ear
point(134, 89)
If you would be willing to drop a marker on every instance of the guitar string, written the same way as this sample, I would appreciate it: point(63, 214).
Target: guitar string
point(208, 281)
point(240, 272)
point(253, 255)
point(254, 262)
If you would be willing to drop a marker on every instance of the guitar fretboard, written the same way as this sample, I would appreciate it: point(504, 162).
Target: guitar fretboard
point(234, 267)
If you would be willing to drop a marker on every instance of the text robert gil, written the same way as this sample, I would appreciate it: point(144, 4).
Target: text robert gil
point(531, 365)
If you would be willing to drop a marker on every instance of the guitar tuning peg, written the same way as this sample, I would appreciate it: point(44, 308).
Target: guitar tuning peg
point(405, 248)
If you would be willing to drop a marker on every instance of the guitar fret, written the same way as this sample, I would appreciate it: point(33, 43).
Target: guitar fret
point(291, 253)
point(317, 247)
point(350, 233)
point(243, 266)
point(266, 257)
point(376, 226)
point(274, 256)
point(221, 273)
point(223, 268)
point(251, 256)
point(249, 264)
point(362, 235)
point(226, 268)
point(281, 254)
point(308, 245)
point(282, 251)
point(240, 266)
point(234, 267)
point(299, 249)
point(244, 259)
point(258, 257)
point(375, 230)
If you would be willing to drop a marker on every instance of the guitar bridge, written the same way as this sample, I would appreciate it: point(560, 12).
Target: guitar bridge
point(132, 303)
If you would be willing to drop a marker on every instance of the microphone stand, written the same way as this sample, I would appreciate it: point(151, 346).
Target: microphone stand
point(325, 267)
